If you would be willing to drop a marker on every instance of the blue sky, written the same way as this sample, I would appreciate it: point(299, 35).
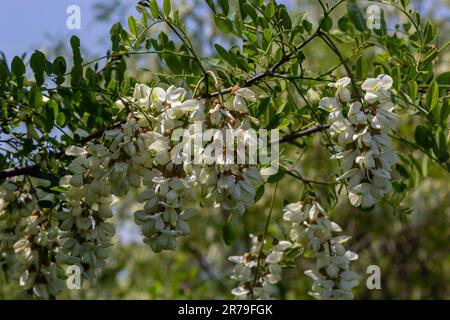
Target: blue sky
point(37, 24)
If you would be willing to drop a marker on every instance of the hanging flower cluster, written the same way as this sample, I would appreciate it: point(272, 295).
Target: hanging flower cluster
point(172, 169)
point(317, 236)
point(29, 242)
point(167, 182)
point(41, 275)
point(15, 206)
point(86, 209)
point(258, 271)
point(233, 181)
point(145, 152)
point(361, 130)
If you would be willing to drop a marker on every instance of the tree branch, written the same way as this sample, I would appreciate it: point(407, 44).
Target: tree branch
point(347, 68)
point(35, 170)
point(303, 133)
point(269, 72)
point(27, 170)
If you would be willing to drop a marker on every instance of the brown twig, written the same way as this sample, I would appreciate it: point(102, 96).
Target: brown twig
point(306, 132)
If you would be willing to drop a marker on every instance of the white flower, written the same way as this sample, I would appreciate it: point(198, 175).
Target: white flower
point(330, 104)
point(293, 212)
point(347, 158)
point(253, 175)
point(366, 160)
point(377, 89)
point(75, 151)
point(246, 93)
point(240, 291)
point(142, 95)
point(226, 183)
point(361, 195)
point(381, 82)
point(241, 95)
point(384, 120)
point(355, 115)
point(342, 92)
point(274, 257)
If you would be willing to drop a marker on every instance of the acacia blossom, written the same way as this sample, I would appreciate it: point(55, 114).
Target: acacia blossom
point(29, 244)
point(141, 153)
point(317, 236)
point(87, 207)
point(168, 175)
point(361, 130)
point(258, 271)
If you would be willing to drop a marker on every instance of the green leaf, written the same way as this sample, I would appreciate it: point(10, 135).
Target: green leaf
point(225, 55)
point(270, 10)
point(4, 72)
point(307, 25)
point(223, 23)
point(38, 64)
point(444, 78)
point(440, 147)
point(431, 55)
point(77, 69)
point(432, 96)
point(327, 24)
point(242, 11)
point(115, 33)
point(154, 9)
point(211, 5)
point(225, 6)
point(166, 7)
point(402, 170)
point(356, 15)
point(396, 76)
point(18, 69)
point(275, 120)
point(284, 123)
point(423, 137)
point(445, 111)
point(172, 62)
point(52, 105)
point(75, 44)
point(60, 119)
point(259, 193)
point(35, 97)
point(404, 3)
point(361, 68)
point(267, 33)
point(132, 25)
point(276, 177)
point(251, 12)
point(343, 23)
point(413, 89)
point(59, 66)
point(228, 233)
point(285, 18)
point(430, 32)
